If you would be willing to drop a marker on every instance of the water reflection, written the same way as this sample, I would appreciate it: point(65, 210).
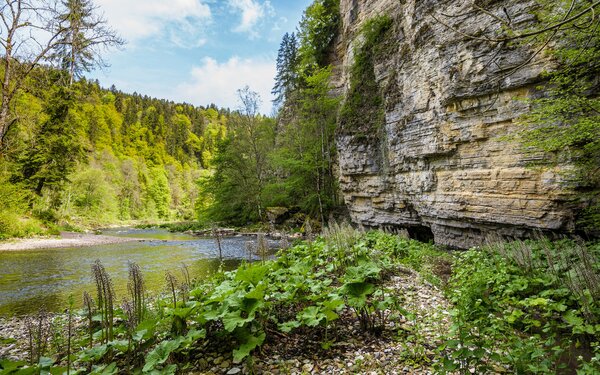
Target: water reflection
point(34, 278)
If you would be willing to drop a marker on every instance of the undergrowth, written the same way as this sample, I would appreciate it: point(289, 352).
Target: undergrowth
point(522, 307)
point(526, 307)
point(305, 291)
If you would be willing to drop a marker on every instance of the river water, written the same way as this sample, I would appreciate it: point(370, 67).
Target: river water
point(34, 279)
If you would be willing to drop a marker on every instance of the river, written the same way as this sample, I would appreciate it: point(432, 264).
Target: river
point(34, 279)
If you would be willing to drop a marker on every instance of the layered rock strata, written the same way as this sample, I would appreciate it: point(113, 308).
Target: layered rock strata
point(443, 165)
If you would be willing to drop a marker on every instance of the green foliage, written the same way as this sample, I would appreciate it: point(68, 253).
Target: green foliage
point(297, 293)
point(161, 353)
point(363, 111)
point(565, 122)
point(524, 305)
point(316, 32)
point(58, 149)
point(241, 168)
point(306, 154)
point(287, 68)
point(94, 156)
point(159, 192)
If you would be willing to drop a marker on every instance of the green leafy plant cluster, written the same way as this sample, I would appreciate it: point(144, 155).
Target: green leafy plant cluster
point(317, 31)
point(565, 121)
point(307, 290)
point(363, 111)
point(525, 307)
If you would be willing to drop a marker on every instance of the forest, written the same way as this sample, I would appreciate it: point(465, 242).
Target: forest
point(263, 270)
point(81, 156)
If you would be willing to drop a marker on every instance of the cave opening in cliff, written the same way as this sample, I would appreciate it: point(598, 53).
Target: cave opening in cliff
point(420, 233)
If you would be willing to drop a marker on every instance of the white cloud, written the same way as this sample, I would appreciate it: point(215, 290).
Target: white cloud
point(214, 82)
point(253, 11)
point(139, 19)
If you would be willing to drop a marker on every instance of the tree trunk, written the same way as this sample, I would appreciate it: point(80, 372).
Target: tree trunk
point(4, 122)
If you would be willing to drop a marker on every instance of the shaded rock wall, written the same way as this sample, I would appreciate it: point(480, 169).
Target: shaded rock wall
point(442, 165)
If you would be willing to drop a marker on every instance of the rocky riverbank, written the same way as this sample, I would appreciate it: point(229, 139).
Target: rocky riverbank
point(66, 239)
point(405, 347)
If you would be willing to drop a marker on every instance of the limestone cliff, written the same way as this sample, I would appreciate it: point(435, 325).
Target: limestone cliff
point(442, 164)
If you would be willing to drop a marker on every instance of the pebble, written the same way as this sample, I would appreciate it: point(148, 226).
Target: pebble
point(307, 367)
point(353, 351)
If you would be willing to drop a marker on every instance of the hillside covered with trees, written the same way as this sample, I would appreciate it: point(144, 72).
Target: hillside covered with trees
point(86, 155)
point(78, 155)
point(343, 297)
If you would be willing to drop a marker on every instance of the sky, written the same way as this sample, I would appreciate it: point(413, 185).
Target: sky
point(197, 51)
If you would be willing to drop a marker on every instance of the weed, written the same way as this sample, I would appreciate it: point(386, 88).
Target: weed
point(135, 286)
point(172, 284)
point(217, 235)
point(88, 303)
point(106, 296)
point(262, 246)
point(38, 334)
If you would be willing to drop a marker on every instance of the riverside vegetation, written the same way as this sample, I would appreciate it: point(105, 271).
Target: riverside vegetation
point(521, 307)
point(79, 154)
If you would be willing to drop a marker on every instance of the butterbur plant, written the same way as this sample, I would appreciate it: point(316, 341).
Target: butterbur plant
point(172, 286)
point(186, 284)
point(88, 303)
point(284, 244)
point(342, 238)
point(135, 286)
point(106, 297)
point(217, 235)
point(186, 274)
point(38, 334)
point(250, 248)
point(308, 230)
point(128, 309)
point(69, 333)
point(262, 246)
point(369, 301)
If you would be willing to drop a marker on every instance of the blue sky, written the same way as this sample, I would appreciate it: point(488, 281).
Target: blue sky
point(197, 51)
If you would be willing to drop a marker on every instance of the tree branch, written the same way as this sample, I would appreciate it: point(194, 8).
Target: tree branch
point(557, 26)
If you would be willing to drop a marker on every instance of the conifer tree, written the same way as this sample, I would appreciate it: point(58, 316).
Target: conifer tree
point(84, 35)
point(287, 64)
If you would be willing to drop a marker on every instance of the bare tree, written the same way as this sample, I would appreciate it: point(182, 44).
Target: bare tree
point(33, 32)
point(28, 33)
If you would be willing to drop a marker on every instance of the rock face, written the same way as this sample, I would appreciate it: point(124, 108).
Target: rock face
point(443, 167)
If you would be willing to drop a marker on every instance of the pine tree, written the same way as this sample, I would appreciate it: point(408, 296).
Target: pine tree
point(287, 64)
point(58, 146)
point(84, 35)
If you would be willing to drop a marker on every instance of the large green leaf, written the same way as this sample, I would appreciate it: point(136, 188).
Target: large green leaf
point(145, 330)
point(289, 326)
point(109, 369)
point(252, 274)
point(357, 292)
point(311, 316)
point(5, 364)
point(249, 343)
point(233, 320)
point(94, 354)
point(364, 271)
point(161, 353)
